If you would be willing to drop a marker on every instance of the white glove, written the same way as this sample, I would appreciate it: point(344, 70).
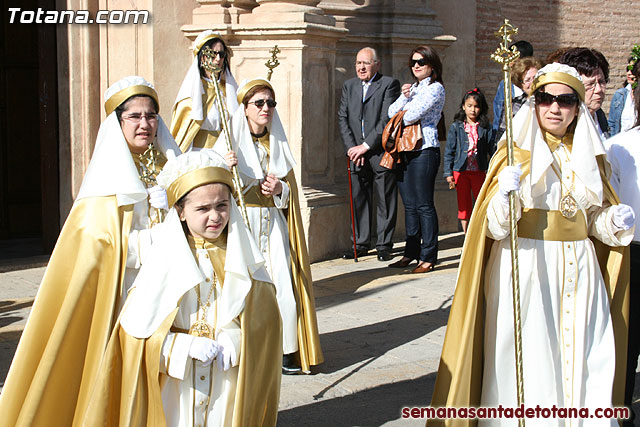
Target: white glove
point(158, 197)
point(204, 349)
point(227, 356)
point(509, 180)
point(623, 217)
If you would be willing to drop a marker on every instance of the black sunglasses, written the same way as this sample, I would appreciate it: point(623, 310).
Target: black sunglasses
point(260, 103)
point(565, 100)
point(421, 62)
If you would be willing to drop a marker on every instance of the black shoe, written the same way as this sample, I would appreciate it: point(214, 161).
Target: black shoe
point(384, 255)
point(288, 365)
point(349, 254)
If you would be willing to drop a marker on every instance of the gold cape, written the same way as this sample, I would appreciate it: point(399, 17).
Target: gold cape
point(459, 380)
point(310, 352)
point(186, 130)
point(71, 319)
point(128, 389)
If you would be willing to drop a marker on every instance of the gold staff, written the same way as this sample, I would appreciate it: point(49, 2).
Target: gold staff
point(273, 61)
point(504, 56)
point(148, 167)
point(208, 57)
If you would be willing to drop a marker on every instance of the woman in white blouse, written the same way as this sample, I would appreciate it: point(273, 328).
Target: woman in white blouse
point(423, 101)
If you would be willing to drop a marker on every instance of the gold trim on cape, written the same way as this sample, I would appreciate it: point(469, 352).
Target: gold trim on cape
point(309, 352)
point(119, 97)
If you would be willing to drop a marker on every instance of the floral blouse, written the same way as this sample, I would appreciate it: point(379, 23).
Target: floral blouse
point(425, 103)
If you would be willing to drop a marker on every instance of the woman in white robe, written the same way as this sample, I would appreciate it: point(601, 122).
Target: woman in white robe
point(196, 121)
point(567, 330)
point(265, 163)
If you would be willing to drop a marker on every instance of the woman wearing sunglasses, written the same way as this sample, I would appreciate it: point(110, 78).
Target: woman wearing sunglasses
point(265, 164)
point(196, 122)
point(423, 101)
point(571, 230)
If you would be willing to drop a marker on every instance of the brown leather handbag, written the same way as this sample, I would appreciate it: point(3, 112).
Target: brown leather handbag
point(398, 137)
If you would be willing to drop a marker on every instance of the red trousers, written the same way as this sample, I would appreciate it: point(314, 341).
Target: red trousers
point(466, 183)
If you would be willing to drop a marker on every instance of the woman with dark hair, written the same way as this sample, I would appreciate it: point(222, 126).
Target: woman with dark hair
point(196, 121)
point(622, 115)
point(422, 101)
point(94, 263)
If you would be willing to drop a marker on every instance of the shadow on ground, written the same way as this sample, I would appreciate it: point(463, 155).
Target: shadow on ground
point(348, 347)
point(371, 407)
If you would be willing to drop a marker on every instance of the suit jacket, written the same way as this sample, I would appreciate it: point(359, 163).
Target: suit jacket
point(380, 95)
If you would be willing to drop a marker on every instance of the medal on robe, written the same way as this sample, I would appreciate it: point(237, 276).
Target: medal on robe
point(568, 206)
point(200, 328)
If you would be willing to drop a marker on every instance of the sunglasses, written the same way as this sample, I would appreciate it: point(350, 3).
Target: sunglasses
point(421, 62)
point(565, 100)
point(220, 53)
point(260, 103)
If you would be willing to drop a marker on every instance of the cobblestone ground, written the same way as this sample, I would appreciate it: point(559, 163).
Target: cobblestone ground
point(381, 333)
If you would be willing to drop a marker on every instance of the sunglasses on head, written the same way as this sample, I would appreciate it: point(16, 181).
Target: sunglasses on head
point(421, 62)
point(564, 100)
point(260, 103)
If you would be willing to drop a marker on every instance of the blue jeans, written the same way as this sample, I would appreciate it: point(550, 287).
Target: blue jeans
point(416, 187)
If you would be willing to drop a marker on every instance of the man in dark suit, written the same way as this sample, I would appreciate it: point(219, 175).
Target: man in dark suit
point(362, 116)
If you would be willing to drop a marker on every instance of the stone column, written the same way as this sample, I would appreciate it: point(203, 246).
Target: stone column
point(78, 103)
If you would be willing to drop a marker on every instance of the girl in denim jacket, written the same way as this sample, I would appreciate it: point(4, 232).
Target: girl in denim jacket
point(467, 153)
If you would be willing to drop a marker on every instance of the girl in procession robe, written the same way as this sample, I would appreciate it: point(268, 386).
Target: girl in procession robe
point(199, 340)
point(196, 122)
point(573, 279)
point(265, 164)
point(94, 262)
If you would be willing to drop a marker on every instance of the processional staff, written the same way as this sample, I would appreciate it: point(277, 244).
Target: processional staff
point(505, 56)
point(208, 64)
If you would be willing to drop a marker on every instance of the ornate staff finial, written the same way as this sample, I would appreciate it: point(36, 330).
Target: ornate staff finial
point(208, 61)
point(273, 61)
point(503, 55)
point(148, 170)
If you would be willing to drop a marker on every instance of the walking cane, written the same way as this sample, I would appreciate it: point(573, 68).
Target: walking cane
point(504, 56)
point(353, 223)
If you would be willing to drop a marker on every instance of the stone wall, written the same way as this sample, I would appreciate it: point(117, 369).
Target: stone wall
point(610, 27)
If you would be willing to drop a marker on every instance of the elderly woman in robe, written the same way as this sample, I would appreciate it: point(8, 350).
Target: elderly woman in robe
point(93, 264)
